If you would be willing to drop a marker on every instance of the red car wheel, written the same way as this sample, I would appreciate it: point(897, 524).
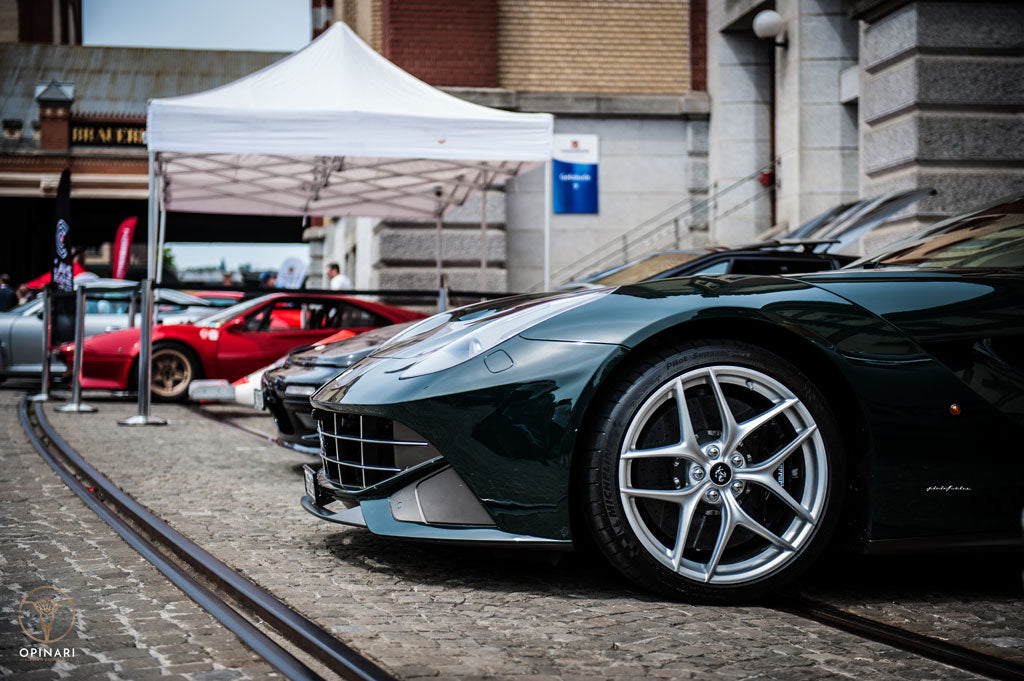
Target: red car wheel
point(174, 368)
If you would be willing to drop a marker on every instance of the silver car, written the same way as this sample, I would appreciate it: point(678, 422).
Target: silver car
point(106, 309)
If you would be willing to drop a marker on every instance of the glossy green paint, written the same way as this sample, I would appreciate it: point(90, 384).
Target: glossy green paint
point(932, 473)
point(511, 435)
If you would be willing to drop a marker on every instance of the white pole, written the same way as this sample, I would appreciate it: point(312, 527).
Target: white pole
point(437, 230)
point(142, 418)
point(160, 245)
point(547, 225)
point(483, 238)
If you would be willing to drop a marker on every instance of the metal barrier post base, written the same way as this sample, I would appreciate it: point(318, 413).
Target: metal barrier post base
point(142, 420)
point(41, 397)
point(75, 407)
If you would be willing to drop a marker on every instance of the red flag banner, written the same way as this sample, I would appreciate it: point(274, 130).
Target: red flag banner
point(123, 247)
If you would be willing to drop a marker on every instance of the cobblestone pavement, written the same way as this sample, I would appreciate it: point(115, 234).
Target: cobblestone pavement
point(973, 600)
point(448, 612)
point(129, 621)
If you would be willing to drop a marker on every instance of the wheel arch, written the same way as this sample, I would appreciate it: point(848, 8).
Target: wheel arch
point(133, 375)
point(796, 348)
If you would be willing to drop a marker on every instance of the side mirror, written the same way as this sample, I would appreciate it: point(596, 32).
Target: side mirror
point(235, 325)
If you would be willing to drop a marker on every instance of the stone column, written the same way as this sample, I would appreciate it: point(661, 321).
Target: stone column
point(941, 102)
point(816, 134)
point(739, 85)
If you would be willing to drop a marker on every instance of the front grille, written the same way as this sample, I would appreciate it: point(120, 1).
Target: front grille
point(359, 451)
point(280, 414)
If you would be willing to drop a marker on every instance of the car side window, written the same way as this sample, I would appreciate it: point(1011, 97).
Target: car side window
point(718, 268)
point(339, 315)
point(105, 306)
point(258, 318)
point(354, 316)
point(310, 315)
point(281, 315)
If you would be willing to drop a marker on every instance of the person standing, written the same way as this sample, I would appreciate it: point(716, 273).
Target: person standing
point(337, 280)
point(8, 296)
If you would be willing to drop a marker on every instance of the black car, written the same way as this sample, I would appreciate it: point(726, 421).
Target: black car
point(770, 257)
point(286, 389)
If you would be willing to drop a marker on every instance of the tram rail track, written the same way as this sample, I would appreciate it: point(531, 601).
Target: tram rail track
point(153, 539)
point(122, 513)
point(227, 421)
point(930, 647)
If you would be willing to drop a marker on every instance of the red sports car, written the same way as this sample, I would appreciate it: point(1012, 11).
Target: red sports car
point(229, 344)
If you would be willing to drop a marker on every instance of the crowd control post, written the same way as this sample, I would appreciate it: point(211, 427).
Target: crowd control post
point(44, 392)
point(145, 367)
point(76, 405)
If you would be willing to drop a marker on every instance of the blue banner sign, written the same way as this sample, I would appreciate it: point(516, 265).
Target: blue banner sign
point(574, 174)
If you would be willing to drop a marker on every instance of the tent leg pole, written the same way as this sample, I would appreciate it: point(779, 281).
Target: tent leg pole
point(437, 227)
point(142, 418)
point(442, 286)
point(160, 247)
point(547, 225)
point(483, 240)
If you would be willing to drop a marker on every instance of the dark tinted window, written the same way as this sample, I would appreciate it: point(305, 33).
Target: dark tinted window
point(989, 239)
point(778, 265)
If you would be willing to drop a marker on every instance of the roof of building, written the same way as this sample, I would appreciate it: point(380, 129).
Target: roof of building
point(115, 81)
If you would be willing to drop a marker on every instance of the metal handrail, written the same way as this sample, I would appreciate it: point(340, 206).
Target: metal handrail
point(618, 251)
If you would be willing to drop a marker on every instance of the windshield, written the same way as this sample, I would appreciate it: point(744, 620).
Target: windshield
point(229, 313)
point(642, 270)
point(29, 307)
point(990, 239)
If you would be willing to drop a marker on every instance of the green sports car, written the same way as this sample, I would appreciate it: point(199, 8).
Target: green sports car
point(710, 433)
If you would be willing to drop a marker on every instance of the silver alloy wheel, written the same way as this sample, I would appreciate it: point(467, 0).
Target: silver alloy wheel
point(786, 468)
point(172, 372)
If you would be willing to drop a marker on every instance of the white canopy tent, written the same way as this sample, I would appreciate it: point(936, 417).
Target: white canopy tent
point(334, 130)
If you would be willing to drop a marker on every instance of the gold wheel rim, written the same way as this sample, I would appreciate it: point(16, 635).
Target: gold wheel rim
point(172, 372)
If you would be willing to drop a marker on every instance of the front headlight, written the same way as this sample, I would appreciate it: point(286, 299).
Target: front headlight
point(299, 390)
point(479, 336)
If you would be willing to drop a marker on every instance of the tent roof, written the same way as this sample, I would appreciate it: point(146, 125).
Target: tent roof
point(335, 129)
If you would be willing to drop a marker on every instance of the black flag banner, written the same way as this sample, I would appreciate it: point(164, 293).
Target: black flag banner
point(63, 273)
point(63, 283)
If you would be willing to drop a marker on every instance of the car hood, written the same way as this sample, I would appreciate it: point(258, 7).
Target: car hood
point(431, 334)
point(347, 351)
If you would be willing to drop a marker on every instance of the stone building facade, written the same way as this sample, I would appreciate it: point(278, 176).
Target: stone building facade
point(942, 101)
point(860, 98)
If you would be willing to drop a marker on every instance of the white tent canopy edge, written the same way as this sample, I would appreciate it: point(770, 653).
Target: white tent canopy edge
point(333, 129)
